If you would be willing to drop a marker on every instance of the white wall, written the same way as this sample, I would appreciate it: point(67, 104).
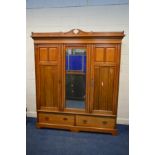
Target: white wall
point(92, 18)
point(70, 3)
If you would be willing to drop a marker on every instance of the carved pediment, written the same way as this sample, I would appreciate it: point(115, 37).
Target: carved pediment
point(76, 32)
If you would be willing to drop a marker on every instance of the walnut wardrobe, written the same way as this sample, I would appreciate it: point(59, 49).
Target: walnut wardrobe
point(77, 80)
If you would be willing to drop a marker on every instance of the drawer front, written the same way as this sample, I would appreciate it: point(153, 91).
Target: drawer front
point(56, 118)
point(92, 121)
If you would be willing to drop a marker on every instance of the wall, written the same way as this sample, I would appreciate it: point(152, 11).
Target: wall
point(31, 4)
point(86, 18)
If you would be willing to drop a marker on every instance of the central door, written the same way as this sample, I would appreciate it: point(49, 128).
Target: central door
point(76, 73)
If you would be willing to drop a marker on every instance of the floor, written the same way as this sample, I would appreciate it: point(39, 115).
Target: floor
point(61, 142)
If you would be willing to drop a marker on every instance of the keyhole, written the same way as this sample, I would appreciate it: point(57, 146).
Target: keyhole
point(47, 118)
point(102, 84)
point(65, 119)
point(84, 121)
point(104, 122)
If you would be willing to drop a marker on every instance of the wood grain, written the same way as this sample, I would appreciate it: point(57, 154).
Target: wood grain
point(99, 54)
point(82, 34)
point(56, 118)
point(90, 121)
point(43, 54)
point(110, 54)
point(49, 86)
point(53, 54)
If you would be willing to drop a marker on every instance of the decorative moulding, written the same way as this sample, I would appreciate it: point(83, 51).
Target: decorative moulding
point(78, 33)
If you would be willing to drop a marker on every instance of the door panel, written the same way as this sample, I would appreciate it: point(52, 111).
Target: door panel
point(96, 87)
point(49, 72)
point(43, 54)
point(110, 55)
point(53, 54)
point(105, 54)
point(103, 88)
point(110, 91)
point(104, 59)
point(99, 54)
point(49, 86)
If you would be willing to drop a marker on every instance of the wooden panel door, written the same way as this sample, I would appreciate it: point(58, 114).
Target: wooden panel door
point(49, 86)
point(48, 66)
point(104, 76)
point(103, 88)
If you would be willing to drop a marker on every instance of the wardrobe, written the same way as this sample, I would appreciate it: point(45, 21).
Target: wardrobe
point(77, 80)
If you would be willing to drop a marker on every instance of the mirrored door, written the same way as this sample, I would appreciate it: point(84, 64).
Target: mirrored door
point(75, 78)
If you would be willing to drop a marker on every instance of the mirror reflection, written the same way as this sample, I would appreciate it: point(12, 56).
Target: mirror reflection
point(75, 78)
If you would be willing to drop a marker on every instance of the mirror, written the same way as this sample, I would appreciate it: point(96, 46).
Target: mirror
point(75, 78)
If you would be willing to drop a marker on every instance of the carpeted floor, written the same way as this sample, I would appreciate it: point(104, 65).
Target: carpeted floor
point(61, 142)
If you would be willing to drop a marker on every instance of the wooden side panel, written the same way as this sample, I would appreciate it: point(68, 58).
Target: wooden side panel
point(49, 86)
point(43, 53)
point(53, 54)
point(110, 54)
point(99, 54)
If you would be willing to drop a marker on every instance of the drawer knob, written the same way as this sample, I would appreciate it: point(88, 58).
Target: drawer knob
point(46, 118)
point(84, 121)
point(104, 122)
point(65, 119)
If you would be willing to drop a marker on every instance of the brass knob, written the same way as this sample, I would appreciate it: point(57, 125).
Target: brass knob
point(65, 118)
point(46, 118)
point(104, 122)
point(84, 121)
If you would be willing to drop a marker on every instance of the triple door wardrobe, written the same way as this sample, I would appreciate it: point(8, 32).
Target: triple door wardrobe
point(77, 80)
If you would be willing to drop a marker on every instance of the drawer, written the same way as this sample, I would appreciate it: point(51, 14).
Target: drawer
point(95, 121)
point(56, 118)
